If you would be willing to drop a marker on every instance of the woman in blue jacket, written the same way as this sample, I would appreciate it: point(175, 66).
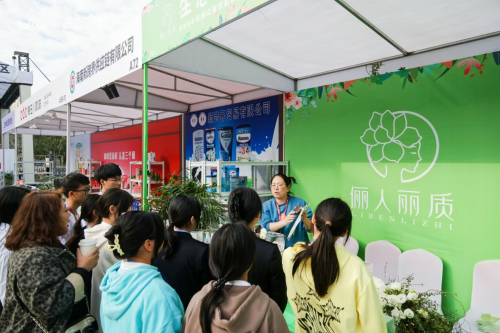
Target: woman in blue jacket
point(135, 297)
point(278, 215)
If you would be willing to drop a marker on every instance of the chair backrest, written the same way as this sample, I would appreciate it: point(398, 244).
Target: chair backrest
point(427, 269)
point(352, 245)
point(486, 287)
point(385, 259)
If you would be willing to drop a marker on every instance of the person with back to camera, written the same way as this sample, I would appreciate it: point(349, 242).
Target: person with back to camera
point(110, 206)
point(135, 297)
point(231, 304)
point(184, 260)
point(44, 278)
point(279, 214)
point(108, 176)
point(245, 206)
point(10, 199)
point(325, 281)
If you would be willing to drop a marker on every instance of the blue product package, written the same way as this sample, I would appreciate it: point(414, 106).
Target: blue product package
point(243, 143)
point(210, 144)
point(226, 143)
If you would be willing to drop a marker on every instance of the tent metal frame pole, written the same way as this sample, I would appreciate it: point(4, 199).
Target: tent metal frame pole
point(3, 159)
point(68, 137)
point(145, 139)
point(15, 155)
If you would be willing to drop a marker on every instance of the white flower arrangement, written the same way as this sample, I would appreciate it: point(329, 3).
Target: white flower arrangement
point(412, 312)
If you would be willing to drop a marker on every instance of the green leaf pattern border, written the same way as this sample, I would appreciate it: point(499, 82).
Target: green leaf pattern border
point(302, 102)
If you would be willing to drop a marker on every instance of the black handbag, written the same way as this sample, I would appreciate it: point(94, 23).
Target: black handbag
point(85, 324)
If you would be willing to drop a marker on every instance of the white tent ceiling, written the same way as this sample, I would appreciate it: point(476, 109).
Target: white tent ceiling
point(171, 93)
point(290, 45)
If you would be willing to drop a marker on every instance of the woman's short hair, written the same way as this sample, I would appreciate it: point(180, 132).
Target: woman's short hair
point(10, 199)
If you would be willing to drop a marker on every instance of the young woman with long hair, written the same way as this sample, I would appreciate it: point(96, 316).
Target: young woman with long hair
point(325, 281)
point(184, 260)
point(113, 203)
point(135, 297)
point(88, 219)
point(245, 206)
point(231, 303)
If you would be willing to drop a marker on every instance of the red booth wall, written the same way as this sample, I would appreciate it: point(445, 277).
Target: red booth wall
point(123, 145)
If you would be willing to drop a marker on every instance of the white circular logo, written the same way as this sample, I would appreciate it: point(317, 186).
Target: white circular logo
point(194, 120)
point(203, 119)
point(167, 16)
point(399, 141)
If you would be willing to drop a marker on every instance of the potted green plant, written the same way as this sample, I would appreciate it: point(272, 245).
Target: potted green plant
point(212, 210)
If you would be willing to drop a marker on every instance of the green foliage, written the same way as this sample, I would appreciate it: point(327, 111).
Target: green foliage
point(9, 178)
point(212, 210)
point(50, 183)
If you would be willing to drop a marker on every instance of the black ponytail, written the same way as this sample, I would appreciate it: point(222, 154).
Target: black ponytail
point(180, 211)
point(333, 219)
point(232, 253)
point(131, 230)
point(87, 213)
point(244, 205)
point(288, 181)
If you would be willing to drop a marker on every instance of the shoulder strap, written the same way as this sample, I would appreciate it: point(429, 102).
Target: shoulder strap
point(25, 308)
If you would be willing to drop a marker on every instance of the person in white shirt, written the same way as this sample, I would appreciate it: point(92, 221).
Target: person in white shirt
point(75, 188)
point(113, 203)
point(10, 199)
point(108, 176)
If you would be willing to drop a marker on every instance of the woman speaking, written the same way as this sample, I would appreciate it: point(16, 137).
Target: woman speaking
point(279, 214)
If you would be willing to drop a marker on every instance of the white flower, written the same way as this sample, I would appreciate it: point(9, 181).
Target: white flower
point(379, 284)
point(391, 299)
point(395, 313)
point(395, 286)
point(401, 298)
point(423, 313)
point(402, 315)
point(383, 301)
point(409, 313)
point(412, 296)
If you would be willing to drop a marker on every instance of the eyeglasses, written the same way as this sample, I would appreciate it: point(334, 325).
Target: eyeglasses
point(87, 190)
point(115, 180)
point(278, 186)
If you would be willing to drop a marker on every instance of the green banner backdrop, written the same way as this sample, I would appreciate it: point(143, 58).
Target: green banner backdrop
point(416, 155)
point(167, 24)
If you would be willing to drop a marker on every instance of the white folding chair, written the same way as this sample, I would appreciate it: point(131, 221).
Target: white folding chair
point(427, 270)
point(385, 259)
point(485, 294)
point(352, 245)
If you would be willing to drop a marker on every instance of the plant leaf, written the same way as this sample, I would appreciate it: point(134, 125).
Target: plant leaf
point(496, 57)
point(302, 93)
point(320, 91)
point(311, 92)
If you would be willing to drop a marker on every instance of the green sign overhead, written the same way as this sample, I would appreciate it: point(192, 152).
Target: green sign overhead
point(167, 24)
point(414, 153)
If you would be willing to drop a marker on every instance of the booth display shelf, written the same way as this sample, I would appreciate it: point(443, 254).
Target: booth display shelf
point(149, 182)
point(220, 164)
point(89, 166)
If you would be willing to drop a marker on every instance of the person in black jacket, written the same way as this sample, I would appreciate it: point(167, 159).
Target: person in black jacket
point(267, 273)
point(183, 261)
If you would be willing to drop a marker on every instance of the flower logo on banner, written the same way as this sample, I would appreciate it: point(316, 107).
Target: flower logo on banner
point(72, 82)
point(391, 138)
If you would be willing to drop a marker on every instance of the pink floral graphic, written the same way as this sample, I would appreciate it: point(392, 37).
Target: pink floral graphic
point(469, 63)
point(297, 103)
point(333, 92)
point(290, 98)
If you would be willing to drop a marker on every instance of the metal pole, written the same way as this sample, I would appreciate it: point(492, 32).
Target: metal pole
point(3, 159)
point(145, 138)
point(15, 155)
point(68, 138)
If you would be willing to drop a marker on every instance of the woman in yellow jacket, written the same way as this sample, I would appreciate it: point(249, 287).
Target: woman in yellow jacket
point(329, 289)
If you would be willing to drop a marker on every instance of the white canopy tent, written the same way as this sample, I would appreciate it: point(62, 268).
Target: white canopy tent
point(285, 46)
